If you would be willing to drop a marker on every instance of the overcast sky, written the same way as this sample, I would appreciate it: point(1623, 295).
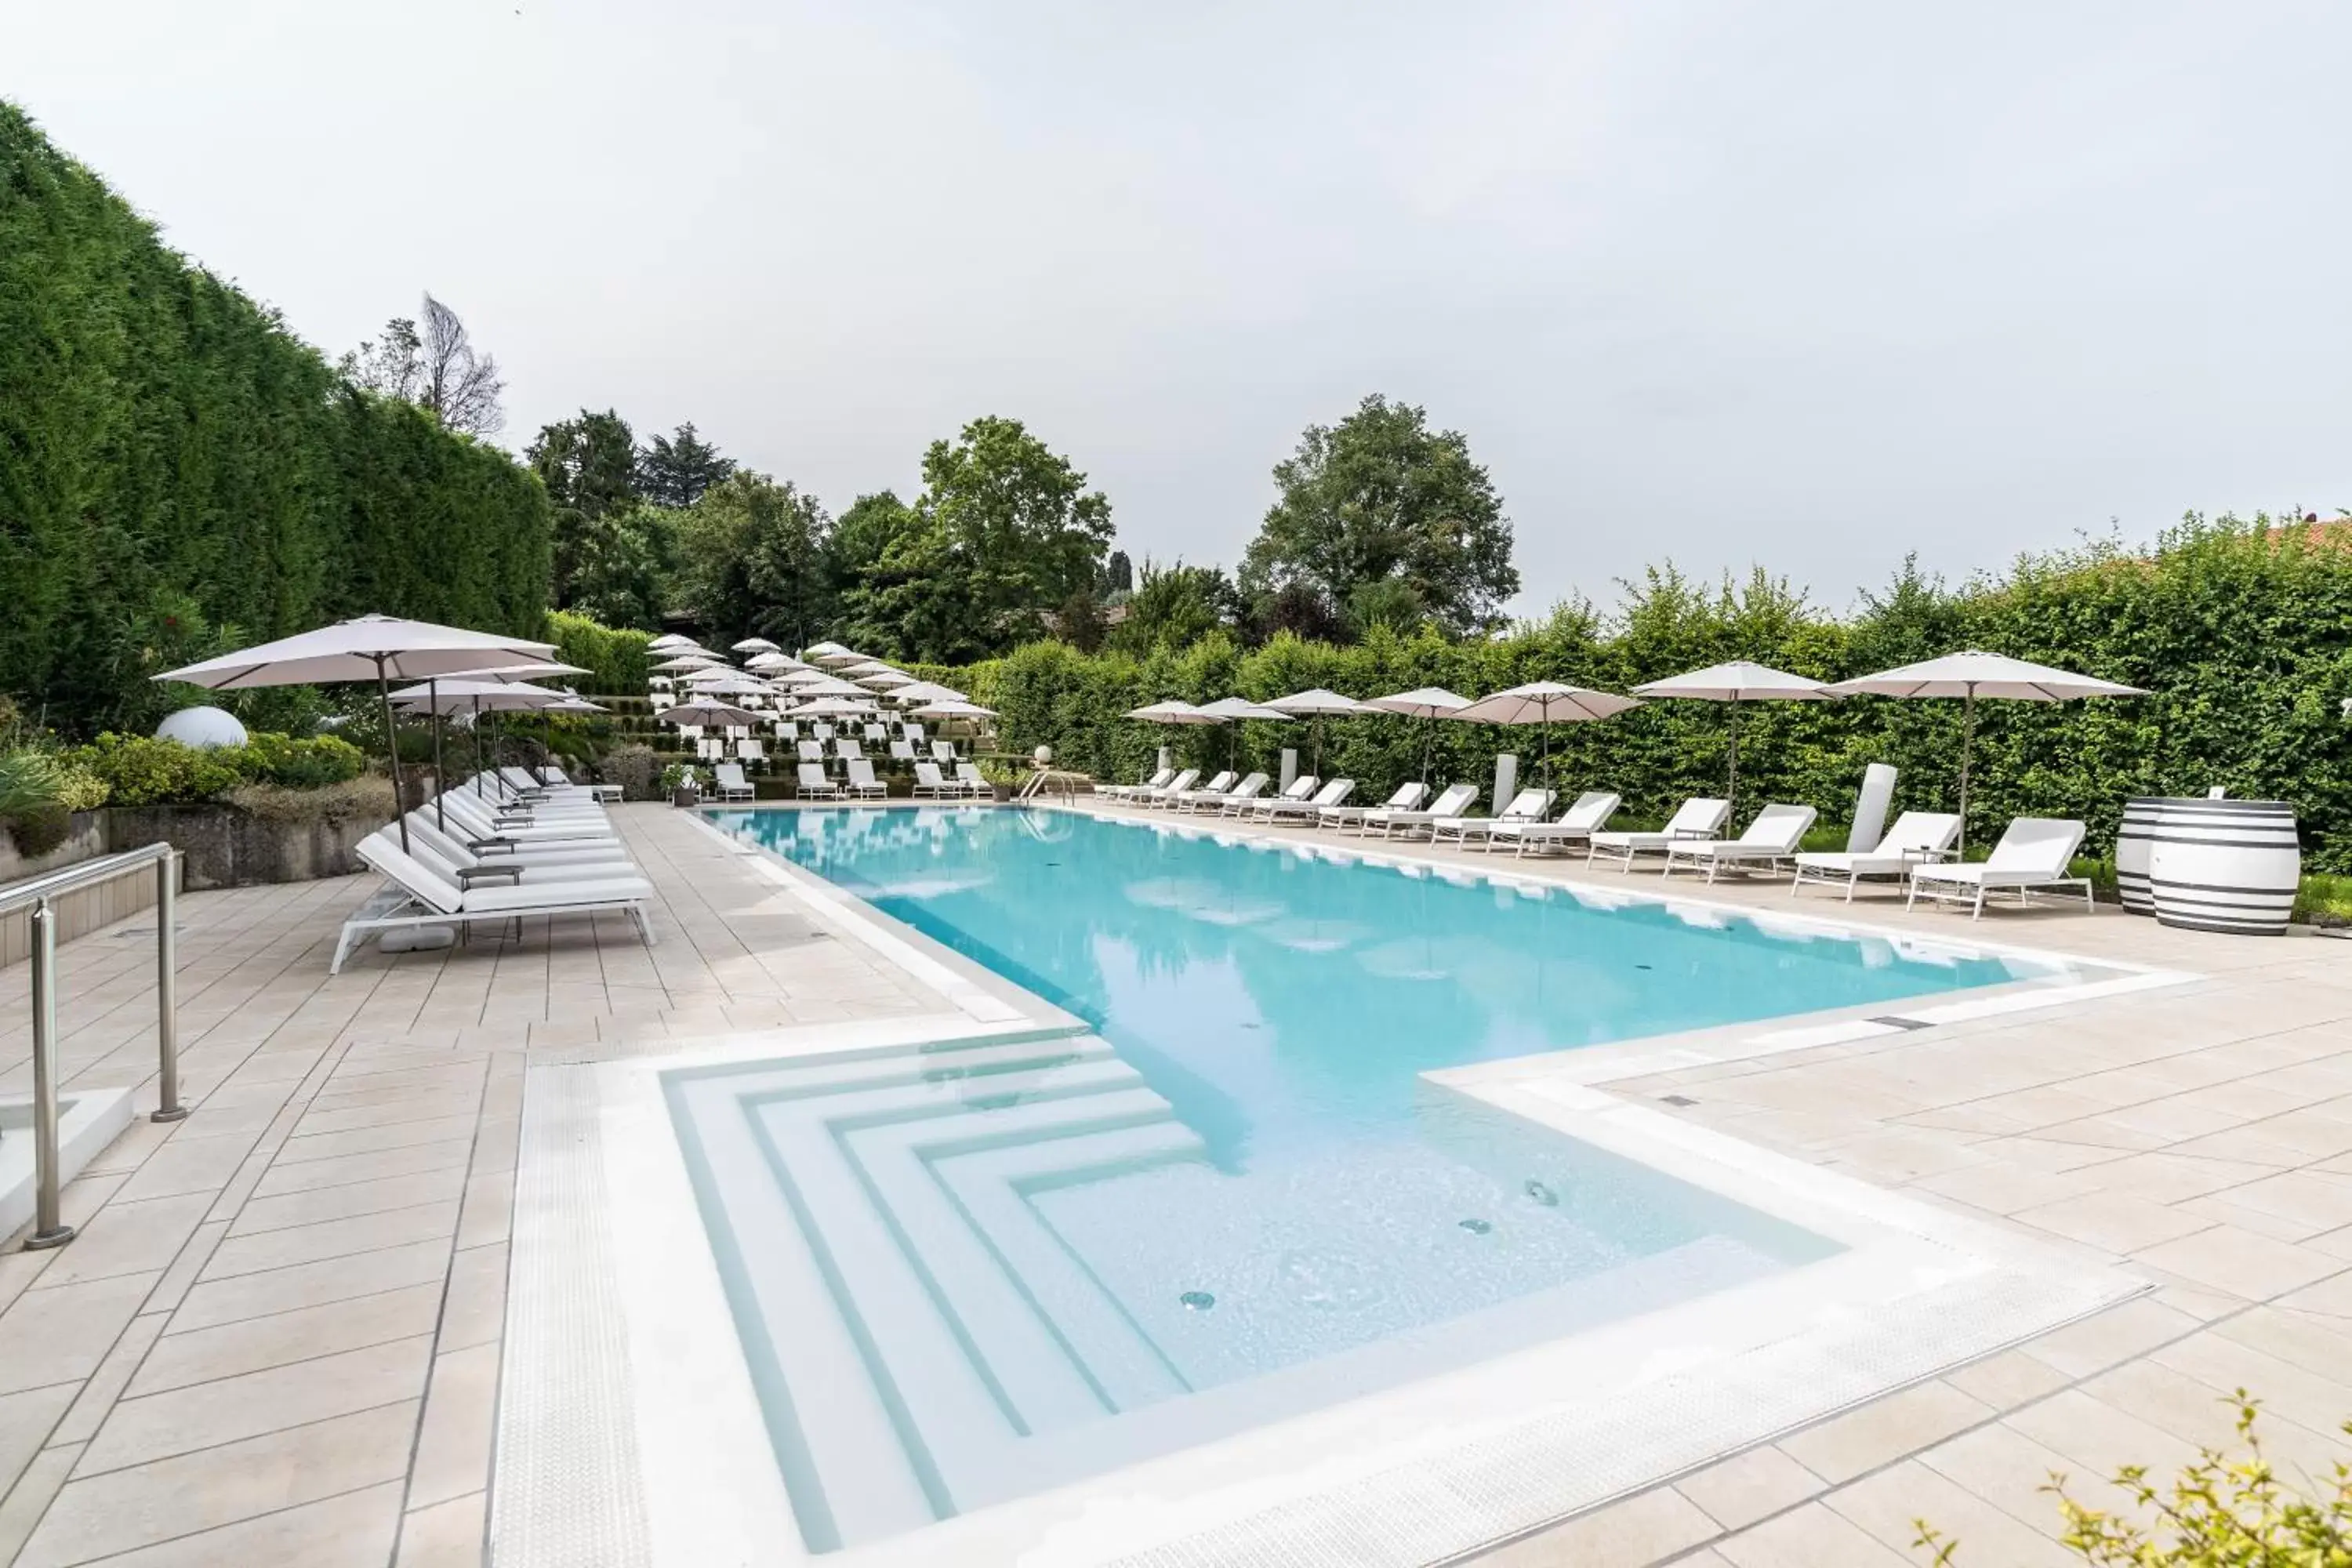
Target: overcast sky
point(1807, 284)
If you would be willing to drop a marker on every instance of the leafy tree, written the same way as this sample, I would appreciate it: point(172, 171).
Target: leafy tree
point(1390, 602)
point(868, 530)
point(435, 368)
point(589, 465)
point(1300, 609)
point(1379, 496)
point(675, 470)
point(1175, 607)
point(1004, 533)
point(1079, 621)
point(1118, 574)
point(751, 560)
point(619, 562)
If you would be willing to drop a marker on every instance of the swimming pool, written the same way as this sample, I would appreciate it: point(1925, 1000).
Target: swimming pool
point(967, 1274)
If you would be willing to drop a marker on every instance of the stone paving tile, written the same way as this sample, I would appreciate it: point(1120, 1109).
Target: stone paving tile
point(308, 1285)
point(1740, 1491)
point(445, 1535)
point(353, 1531)
point(1903, 1422)
point(453, 1448)
point(294, 1245)
point(1812, 1536)
point(250, 1405)
point(123, 1510)
point(1891, 1504)
point(195, 1356)
point(61, 1334)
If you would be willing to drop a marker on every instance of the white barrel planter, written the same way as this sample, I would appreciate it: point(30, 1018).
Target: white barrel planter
point(2132, 841)
point(2223, 864)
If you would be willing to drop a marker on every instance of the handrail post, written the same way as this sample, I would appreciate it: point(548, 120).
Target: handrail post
point(49, 1229)
point(167, 989)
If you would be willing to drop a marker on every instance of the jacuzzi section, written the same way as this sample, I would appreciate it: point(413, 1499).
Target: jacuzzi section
point(956, 1273)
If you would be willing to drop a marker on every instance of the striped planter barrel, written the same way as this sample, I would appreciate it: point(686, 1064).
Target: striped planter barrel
point(2225, 865)
point(2132, 841)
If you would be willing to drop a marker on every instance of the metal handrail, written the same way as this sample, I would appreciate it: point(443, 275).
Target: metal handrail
point(49, 1229)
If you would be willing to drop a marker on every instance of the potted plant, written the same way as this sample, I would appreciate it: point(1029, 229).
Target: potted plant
point(1000, 779)
point(682, 781)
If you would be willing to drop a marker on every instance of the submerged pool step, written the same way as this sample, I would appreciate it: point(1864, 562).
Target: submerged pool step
point(922, 1361)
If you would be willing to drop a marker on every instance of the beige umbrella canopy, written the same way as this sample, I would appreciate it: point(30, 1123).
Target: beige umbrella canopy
point(1970, 675)
point(1316, 702)
point(1544, 702)
point(1737, 682)
point(1425, 703)
point(382, 648)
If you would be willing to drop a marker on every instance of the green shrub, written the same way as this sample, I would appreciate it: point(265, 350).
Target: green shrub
point(141, 769)
point(678, 776)
point(615, 658)
point(309, 764)
point(2219, 1513)
point(635, 768)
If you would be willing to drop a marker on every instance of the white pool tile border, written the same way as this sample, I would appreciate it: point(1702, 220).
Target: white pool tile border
point(1408, 1476)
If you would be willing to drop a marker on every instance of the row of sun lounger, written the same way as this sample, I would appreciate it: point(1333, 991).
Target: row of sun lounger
point(498, 849)
point(2034, 853)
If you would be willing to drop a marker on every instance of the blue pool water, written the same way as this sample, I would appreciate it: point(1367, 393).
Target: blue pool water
point(1244, 1199)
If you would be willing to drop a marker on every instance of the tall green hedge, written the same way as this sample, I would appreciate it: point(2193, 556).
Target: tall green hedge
point(616, 659)
point(2243, 632)
point(178, 472)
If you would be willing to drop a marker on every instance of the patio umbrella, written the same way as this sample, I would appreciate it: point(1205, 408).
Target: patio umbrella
point(933, 691)
point(815, 649)
point(708, 710)
point(367, 647)
point(953, 709)
point(1430, 703)
point(1233, 711)
point(1316, 703)
point(834, 708)
point(1972, 674)
point(1737, 682)
point(670, 639)
point(756, 645)
point(885, 680)
point(841, 657)
point(1542, 702)
point(772, 663)
point(480, 694)
point(690, 661)
point(509, 673)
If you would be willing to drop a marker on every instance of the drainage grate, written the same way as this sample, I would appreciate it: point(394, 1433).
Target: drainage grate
point(1678, 1099)
point(1896, 1021)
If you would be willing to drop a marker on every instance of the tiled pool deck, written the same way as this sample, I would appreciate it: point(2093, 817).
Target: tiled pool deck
point(278, 1338)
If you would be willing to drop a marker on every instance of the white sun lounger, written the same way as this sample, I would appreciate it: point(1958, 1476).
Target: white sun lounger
point(1300, 791)
point(969, 778)
point(1128, 792)
point(480, 826)
point(1577, 825)
point(862, 782)
point(1452, 803)
point(417, 895)
point(809, 752)
point(1768, 840)
point(1917, 838)
point(2035, 852)
point(1701, 818)
point(1407, 797)
point(928, 782)
point(1335, 792)
point(1219, 801)
point(810, 782)
point(427, 837)
point(1527, 805)
point(1216, 786)
point(1172, 788)
point(728, 783)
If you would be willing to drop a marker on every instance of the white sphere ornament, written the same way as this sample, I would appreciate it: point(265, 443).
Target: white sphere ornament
point(1045, 756)
point(203, 728)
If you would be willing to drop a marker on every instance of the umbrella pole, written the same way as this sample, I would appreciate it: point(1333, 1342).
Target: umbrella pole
point(1967, 742)
point(1731, 791)
point(392, 751)
point(440, 779)
point(476, 738)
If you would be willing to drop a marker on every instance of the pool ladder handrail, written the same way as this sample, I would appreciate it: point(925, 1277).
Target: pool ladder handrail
point(49, 1228)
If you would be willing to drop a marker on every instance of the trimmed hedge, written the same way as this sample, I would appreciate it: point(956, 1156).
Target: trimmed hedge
point(616, 659)
point(179, 474)
point(2242, 630)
